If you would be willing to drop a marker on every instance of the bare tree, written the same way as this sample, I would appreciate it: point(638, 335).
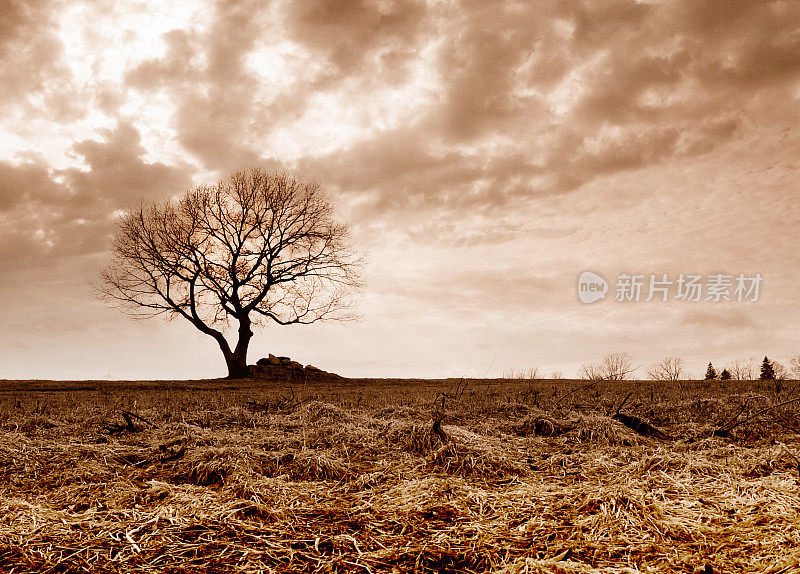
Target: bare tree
point(616, 366)
point(530, 374)
point(255, 248)
point(794, 366)
point(590, 371)
point(668, 369)
point(780, 370)
point(742, 370)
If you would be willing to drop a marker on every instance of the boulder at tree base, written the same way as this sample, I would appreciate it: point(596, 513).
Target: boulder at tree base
point(273, 367)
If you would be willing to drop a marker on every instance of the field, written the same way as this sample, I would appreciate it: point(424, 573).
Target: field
point(355, 476)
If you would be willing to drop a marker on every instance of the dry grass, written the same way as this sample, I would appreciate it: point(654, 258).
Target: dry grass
point(534, 478)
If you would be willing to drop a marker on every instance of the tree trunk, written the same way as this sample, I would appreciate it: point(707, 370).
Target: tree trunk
point(237, 366)
point(236, 360)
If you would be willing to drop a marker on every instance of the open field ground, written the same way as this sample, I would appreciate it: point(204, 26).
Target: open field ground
point(349, 476)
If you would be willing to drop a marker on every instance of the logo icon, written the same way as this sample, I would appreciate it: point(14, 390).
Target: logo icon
point(591, 287)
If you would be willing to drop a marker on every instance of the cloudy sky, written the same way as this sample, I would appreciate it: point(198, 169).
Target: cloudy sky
point(485, 154)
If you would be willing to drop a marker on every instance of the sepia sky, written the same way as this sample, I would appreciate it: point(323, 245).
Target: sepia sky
point(485, 154)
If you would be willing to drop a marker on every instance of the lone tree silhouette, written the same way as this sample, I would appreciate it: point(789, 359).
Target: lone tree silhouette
point(711, 372)
point(256, 248)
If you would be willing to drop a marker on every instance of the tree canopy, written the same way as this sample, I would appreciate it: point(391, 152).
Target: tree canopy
point(256, 248)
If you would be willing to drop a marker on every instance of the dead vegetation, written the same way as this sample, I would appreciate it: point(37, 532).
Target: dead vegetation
point(454, 476)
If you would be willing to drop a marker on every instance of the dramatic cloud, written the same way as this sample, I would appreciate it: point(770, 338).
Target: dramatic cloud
point(49, 214)
point(26, 183)
point(485, 152)
point(33, 72)
point(350, 35)
point(532, 103)
point(216, 113)
point(118, 174)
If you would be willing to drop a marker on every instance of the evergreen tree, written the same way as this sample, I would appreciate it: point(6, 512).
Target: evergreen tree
point(767, 371)
point(711, 373)
point(724, 375)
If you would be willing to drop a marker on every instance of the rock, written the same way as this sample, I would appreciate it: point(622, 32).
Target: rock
point(283, 368)
point(270, 371)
